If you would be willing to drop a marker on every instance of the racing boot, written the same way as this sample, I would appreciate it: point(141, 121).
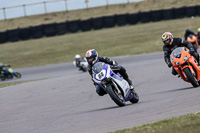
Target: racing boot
point(130, 83)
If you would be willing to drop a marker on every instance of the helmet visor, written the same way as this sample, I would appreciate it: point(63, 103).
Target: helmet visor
point(167, 41)
point(90, 59)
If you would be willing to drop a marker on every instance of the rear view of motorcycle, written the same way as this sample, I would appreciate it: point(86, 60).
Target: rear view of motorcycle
point(9, 73)
point(114, 84)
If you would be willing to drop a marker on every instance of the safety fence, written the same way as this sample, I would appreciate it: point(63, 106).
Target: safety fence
point(53, 29)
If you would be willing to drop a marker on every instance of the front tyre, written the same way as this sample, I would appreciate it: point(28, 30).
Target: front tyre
point(190, 77)
point(17, 75)
point(116, 95)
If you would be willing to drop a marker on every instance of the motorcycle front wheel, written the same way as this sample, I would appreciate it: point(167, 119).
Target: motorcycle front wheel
point(116, 95)
point(17, 75)
point(190, 77)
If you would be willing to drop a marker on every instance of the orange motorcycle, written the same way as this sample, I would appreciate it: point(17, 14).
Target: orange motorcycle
point(193, 39)
point(185, 65)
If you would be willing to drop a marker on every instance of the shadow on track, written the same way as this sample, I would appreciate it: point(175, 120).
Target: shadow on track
point(174, 90)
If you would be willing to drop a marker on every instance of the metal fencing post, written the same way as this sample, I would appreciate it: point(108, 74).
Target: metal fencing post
point(45, 7)
point(66, 5)
point(24, 6)
point(86, 2)
point(4, 12)
point(107, 1)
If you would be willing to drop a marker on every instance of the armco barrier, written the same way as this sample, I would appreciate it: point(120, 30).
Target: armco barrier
point(97, 23)
point(73, 26)
point(121, 19)
point(37, 31)
point(13, 35)
point(49, 30)
point(86, 25)
point(25, 33)
point(61, 28)
point(3, 37)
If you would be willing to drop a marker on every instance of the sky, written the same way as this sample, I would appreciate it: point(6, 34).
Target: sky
point(15, 9)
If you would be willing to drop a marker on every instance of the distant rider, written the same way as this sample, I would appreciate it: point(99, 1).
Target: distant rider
point(2, 66)
point(170, 43)
point(198, 35)
point(188, 32)
point(92, 58)
point(78, 60)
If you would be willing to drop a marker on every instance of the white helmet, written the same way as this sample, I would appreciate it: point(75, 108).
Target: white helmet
point(77, 56)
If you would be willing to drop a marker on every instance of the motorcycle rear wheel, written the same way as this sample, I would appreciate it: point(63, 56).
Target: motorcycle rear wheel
point(190, 77)
point(135, 98)
point(115, 96)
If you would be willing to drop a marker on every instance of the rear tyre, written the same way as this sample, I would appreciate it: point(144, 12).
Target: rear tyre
point(135, 98)
point(116, 96)
point(190, 77)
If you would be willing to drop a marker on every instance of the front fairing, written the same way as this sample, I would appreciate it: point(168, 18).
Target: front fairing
point(179, 56)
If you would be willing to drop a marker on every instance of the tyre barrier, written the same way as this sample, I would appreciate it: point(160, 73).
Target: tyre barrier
point(97, 23)
point(133, 18)
point(13, 35)
point(37, 31)
point(109, 21)
point(121, 19)
point(25, 33)
point(53, 29)
point(86, 25)
point(3, 37)
point(73, 26)
point(61, 28)
point(49, 29)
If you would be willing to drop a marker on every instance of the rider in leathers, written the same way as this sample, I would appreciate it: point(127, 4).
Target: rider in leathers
point(92, 58)
point(170, 43)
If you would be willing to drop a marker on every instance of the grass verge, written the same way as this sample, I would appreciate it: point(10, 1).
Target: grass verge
point(144, 5)
point(127, 40)
point(184, 124)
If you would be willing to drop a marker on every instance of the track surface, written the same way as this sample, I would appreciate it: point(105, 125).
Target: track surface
point(66, 101)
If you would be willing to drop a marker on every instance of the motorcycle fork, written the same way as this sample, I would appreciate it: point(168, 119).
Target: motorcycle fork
point(191, 69)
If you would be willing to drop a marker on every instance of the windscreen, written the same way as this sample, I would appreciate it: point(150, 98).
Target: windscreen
point(98, 67)
point(177, 52)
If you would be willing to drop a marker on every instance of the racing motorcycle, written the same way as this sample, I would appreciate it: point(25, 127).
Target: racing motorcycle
point(185, 65)
point(114, 84)
point(9, 73)
point(193, 40)
point(82, 65)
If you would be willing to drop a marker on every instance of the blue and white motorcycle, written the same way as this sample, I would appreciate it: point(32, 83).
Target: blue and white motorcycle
point(114, 84)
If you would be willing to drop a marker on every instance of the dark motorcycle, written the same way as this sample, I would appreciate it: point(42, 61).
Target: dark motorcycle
point(9, 73)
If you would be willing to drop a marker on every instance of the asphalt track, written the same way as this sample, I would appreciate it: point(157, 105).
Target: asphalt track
point(65, 101)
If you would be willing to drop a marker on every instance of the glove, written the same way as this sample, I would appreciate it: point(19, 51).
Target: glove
point(169, 65)
point(114, 63)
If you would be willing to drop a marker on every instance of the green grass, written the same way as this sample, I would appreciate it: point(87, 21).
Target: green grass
point(127, 40)
point(144, 5)
point(184, 124)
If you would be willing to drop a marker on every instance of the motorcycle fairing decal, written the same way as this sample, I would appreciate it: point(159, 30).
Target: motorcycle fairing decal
point(116, 76)
point(101, 75)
